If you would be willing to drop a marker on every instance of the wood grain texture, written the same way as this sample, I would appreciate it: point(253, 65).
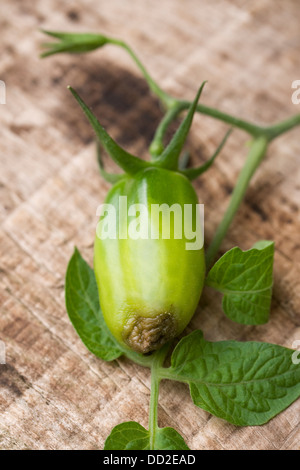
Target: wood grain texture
point(54, 393)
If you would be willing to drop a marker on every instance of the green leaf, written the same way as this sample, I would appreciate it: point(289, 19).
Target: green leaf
point(125, 160)
point(244, 383)
point(261, 244)
point(133, 436)
point(84, 310)
point(169, 158)
point(245, 279)
point(129, 435)
point(192, 173)
point(82, 302)
point(73, 42)
point(169, 439)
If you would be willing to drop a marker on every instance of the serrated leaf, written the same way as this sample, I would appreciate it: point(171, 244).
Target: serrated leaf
point(245, 279)
point(133, 436)
point(244, 383)
point(84, 311)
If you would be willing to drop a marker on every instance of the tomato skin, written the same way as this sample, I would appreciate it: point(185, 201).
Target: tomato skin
point(148, 288)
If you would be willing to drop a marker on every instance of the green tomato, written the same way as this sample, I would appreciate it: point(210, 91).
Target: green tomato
point(149, 287)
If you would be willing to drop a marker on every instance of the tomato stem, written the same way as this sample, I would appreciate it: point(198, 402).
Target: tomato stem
point(157, 362)
point(284, 126)
point(167, 101)
point(255, 156)
point(157, 146)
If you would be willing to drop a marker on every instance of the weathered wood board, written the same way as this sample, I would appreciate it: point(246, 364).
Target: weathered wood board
point(54, 393)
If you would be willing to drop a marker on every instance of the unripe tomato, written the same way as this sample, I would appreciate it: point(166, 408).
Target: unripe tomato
point(149, 287)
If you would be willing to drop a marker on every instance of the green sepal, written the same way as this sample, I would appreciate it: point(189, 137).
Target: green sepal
point(184, 160)
point(129, 163)
point(193, 173)
point(170, 156)
point(74, 43)
point(109, 177)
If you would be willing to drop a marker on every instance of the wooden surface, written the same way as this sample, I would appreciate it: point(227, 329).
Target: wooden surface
point(54, 393)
